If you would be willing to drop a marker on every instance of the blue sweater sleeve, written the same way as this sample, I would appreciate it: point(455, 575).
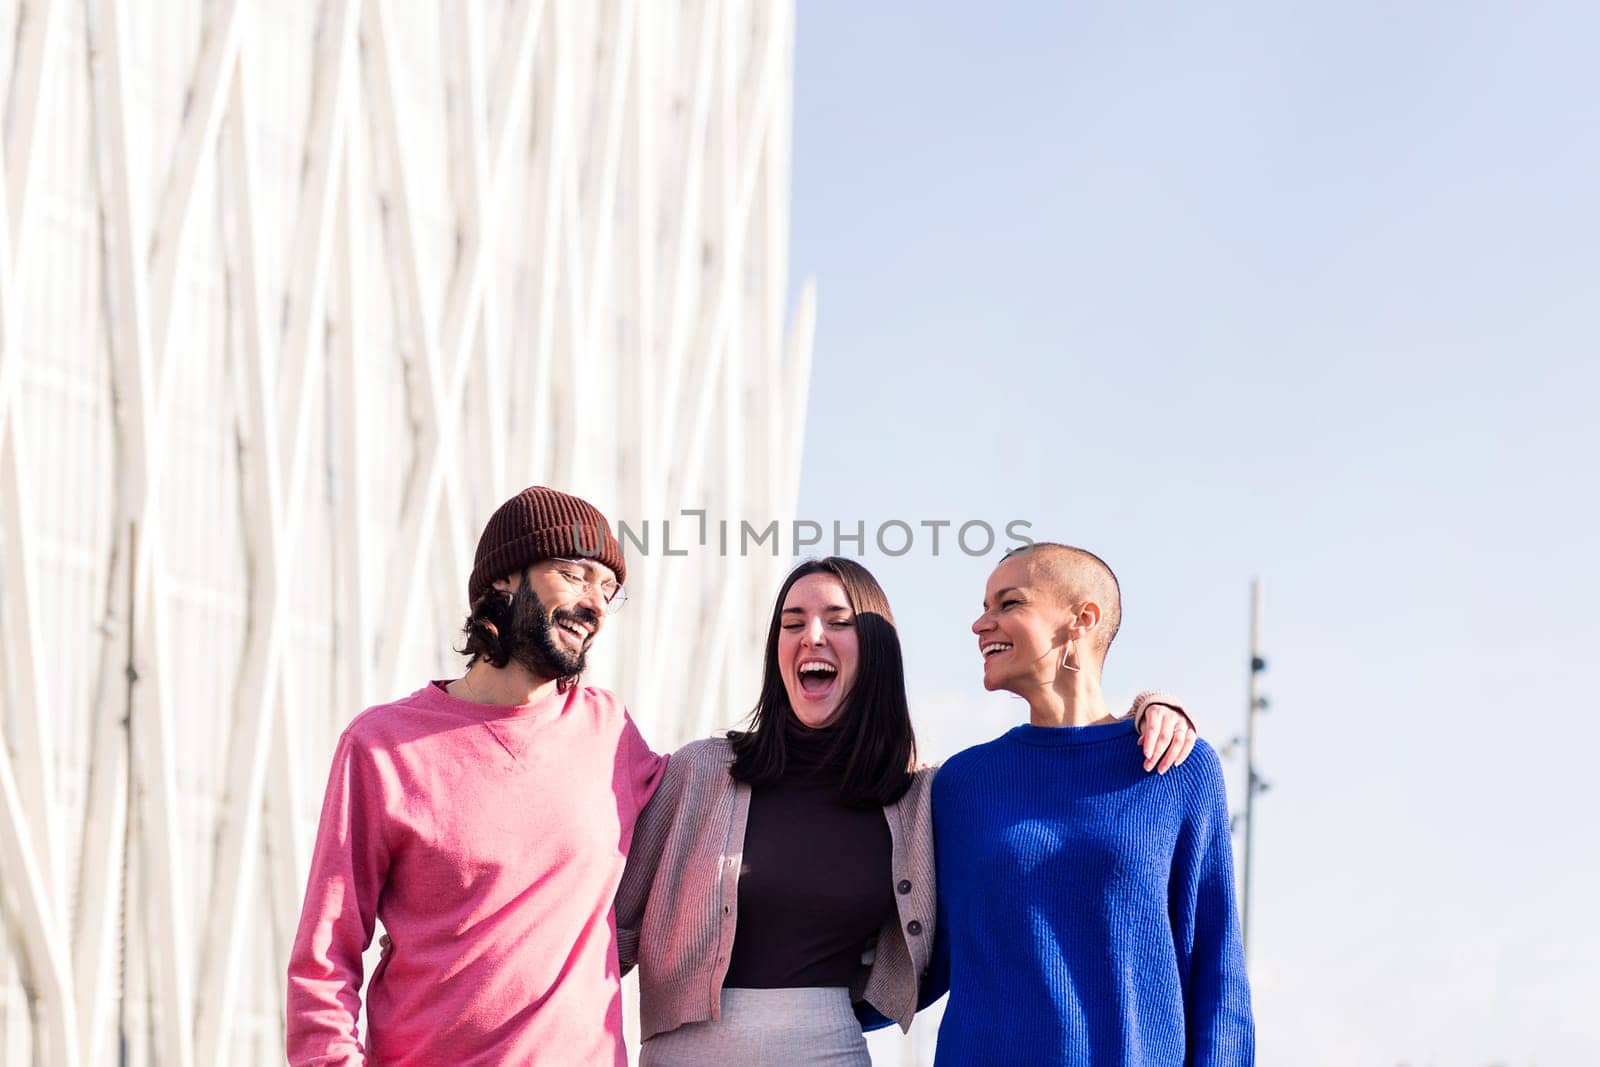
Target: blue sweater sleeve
point(1205, 925)
point(937, 981)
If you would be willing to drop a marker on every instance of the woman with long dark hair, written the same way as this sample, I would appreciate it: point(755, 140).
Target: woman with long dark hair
point(779, 887)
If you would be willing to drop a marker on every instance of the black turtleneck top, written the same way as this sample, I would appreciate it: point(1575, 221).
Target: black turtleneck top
point(816, 885)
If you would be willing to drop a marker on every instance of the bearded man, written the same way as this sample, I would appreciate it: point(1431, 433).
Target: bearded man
point(485, 821)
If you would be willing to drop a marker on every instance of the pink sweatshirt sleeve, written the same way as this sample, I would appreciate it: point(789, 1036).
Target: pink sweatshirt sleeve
point(349, 864)
point(643, 768)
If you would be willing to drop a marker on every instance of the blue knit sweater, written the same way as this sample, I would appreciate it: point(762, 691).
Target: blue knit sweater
point(1086, 908)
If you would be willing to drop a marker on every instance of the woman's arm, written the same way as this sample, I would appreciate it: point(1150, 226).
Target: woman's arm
point(1206, 930)
point(644, 853)
point(1166, 730)
point(649, 841)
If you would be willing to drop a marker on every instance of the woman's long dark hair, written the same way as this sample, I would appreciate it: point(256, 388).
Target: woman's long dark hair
point(872, 737)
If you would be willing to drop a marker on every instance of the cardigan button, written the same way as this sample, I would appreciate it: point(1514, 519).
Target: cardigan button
point(913, 928)
point(903, 888)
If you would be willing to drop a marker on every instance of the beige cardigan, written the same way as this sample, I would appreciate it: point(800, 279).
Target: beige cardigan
point(677, 906)
point(679, 899)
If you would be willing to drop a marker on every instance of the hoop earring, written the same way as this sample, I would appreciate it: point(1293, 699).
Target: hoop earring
point(1065, 656)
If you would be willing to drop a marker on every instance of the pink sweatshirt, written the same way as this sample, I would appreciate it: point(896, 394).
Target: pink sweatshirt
point(490, 841)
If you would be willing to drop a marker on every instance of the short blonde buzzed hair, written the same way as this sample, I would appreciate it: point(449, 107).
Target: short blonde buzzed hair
point(1078, 574)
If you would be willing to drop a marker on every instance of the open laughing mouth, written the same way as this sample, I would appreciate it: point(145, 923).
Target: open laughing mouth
point(817, 678)
point(993, 649)
point(573, 632)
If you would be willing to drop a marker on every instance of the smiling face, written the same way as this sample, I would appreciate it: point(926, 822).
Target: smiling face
point(573, 593)
point(557, 608)
point(1022, 630)
point(817, 649)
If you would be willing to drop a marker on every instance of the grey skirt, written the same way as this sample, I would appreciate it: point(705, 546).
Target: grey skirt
point(767, 1028)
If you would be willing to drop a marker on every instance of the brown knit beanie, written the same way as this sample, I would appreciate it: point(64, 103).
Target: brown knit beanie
point(536, 524)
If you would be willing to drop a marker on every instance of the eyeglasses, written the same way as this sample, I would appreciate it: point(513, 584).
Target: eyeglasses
point(610, 589)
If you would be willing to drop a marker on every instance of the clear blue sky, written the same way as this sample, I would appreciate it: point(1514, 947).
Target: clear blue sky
point(1233, 289)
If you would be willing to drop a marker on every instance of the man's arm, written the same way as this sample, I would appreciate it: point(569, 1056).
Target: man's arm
point(641, 765)
point(1166, 730)
point(1206, 930)
point(349, 864)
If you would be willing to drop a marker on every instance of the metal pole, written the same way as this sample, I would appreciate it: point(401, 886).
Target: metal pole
point(1252, 780)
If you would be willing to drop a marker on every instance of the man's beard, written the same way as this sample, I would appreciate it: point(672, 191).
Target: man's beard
point(528, 636)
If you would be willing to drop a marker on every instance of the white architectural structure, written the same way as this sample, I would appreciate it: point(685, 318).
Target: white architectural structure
point(292, 294)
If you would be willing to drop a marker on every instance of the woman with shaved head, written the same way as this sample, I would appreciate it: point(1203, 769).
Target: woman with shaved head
point(1086, 909)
